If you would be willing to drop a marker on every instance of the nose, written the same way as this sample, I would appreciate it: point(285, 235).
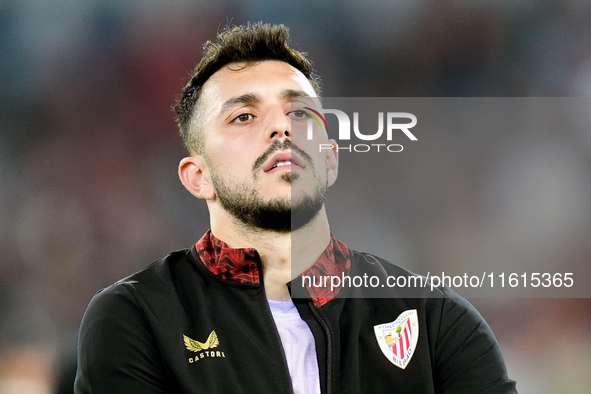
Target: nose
point(278, 125)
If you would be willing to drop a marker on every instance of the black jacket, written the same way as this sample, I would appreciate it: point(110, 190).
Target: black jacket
point(176, 327)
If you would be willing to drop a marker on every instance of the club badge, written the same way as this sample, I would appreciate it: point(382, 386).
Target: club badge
point(398, 339)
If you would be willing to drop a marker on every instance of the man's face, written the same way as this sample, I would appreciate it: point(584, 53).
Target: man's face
point(260, 175)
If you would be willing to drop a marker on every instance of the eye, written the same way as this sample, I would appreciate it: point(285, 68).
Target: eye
point(243, 118)
point(299, 114)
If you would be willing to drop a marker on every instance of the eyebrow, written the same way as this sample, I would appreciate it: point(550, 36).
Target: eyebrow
point(290, 93)
point(242, 99)
point(253, 98)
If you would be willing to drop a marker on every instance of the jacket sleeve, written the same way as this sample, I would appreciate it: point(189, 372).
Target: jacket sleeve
point(467, 356)
point(116, 347)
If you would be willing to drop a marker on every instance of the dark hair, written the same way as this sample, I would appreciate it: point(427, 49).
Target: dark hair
point(241, 44)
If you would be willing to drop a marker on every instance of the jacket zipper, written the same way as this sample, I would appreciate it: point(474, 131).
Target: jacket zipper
point(329, 354)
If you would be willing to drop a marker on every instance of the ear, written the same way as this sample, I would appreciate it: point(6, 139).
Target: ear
point(332, 162)
point(195, 177)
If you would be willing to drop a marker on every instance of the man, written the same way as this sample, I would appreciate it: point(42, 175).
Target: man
point(220, 317)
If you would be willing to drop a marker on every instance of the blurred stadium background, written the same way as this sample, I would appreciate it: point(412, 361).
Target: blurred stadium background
point(89, 150)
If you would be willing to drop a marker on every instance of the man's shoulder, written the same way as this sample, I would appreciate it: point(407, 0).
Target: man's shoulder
point(396, 278)
point(359, 257)
point(465, 352)
point(155, 293)
point(153, 281)
point(160, 269)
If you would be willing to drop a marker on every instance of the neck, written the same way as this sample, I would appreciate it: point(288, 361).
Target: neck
point(276, 250)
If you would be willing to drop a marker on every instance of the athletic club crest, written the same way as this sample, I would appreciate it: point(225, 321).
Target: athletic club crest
point(398, 339)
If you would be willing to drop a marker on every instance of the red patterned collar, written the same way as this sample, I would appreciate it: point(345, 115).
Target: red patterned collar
point(241, 265)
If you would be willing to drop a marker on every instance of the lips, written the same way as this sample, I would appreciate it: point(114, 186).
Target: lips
point(283, 159)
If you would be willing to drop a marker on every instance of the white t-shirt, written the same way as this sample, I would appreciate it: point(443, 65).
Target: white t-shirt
point(299, 347)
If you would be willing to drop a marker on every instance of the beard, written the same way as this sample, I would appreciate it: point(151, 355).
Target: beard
point(279, 214)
